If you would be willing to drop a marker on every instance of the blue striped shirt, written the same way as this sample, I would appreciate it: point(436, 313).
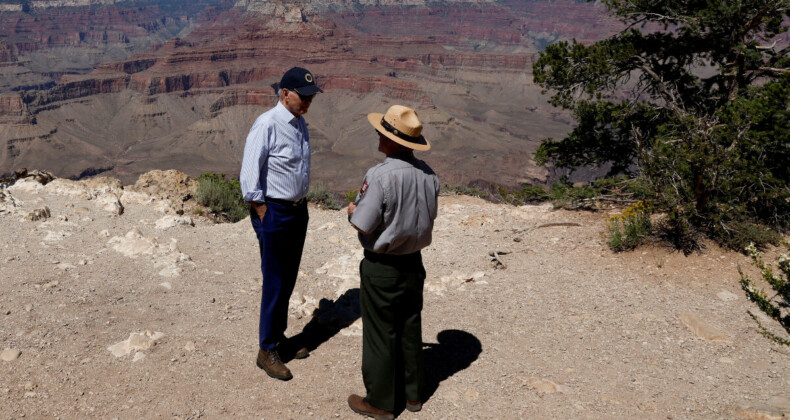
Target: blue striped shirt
point(276, 160)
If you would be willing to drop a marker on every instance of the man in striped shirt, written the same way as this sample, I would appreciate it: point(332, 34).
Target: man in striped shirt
point(275, 178)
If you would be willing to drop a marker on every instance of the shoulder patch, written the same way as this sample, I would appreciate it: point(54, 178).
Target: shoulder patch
point(363, 189)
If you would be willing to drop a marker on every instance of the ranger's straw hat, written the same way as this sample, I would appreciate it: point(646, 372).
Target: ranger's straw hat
point(402, 126)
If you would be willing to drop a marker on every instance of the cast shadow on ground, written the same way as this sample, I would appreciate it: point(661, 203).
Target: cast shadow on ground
point(328, 319)
point(455, 352)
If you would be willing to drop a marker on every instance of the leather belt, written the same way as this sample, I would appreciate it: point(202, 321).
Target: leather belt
point(393, 258)
point(296, 203)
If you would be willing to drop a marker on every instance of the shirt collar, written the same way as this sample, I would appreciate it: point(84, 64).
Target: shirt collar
point(405, 155)
point(283, 114)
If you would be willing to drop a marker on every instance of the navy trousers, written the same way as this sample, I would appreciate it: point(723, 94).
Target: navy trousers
point(281, 237)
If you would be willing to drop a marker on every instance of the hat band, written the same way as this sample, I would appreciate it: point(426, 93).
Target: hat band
point(387, 126)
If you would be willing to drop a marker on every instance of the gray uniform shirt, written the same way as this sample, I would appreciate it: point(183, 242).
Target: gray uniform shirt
point(397, 206)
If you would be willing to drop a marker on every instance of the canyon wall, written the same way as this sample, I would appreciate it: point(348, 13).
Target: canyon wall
point(188, 102)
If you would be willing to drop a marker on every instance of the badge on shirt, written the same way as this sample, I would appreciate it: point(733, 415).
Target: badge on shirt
point(363, 189)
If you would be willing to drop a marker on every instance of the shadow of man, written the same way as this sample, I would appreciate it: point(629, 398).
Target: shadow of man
point(455, 352)
point(328, 319)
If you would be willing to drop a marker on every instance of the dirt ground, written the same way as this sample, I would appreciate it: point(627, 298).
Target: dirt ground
point(143, 315)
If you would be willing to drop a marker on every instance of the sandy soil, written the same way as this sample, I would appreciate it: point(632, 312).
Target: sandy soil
point(567, 329)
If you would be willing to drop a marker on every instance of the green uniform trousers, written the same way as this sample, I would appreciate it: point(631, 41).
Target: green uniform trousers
point(391, 300)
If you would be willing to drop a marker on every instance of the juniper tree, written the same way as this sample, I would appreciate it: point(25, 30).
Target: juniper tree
point(692, 98)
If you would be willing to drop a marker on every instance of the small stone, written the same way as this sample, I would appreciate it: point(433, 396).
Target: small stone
point(138, 356)
point(726, 296)
point(9, 355)
point(544, 386)
point(39, 214)
point(51, 284)
point(704, 329)
point(29, 386)
point(28, 307)
point(166, 285)
point(212, 300)
point(189, 346)
point(758, 411)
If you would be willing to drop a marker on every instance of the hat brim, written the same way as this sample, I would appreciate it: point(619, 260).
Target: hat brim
point(422, 144)
point(308, 90)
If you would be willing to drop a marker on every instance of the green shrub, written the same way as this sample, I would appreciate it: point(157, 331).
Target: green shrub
point(351, 196)
point(741, 235)
point(566, 196)
point(628, 230)
point(447, 189)
point(222, 196)
point(526, 194)
point(780, 284)
point(321, 196)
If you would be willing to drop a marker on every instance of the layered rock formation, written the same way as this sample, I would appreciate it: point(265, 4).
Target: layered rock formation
point(188, 103)
point(52, 38)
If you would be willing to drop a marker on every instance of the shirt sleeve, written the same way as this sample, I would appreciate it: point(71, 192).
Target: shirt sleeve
point(253, 173)
point(370, 204)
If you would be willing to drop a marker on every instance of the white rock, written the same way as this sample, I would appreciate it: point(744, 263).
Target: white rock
point(29, 185)
point(138, 356)
point(8, 203)
point(56, 236)
point(302, 305)
point(727, 296)
point(544, 385)
point(166, 285)
point(9, 355)
point(110, 203)
point(38, 214)
point(170, 221)
point(136, 197)
point(327, 226)
point(345, 268)
point(89, 188)
point(135, 342)
point(704, 329)
point(133, 244)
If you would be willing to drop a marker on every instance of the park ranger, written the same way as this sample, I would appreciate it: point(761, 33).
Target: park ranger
point(394, 213)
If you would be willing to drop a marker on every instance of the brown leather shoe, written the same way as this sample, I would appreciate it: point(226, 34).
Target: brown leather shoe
point(302, 353)
point(413, 406)
point(270, 362)
point(362, 406)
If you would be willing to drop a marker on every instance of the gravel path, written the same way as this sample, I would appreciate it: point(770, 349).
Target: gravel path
point(566, 329)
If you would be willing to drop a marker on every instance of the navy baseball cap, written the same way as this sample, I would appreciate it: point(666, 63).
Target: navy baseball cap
point(300, 80)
